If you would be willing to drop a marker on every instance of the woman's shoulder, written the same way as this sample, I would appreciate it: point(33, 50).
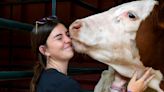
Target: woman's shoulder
point(52, 79)
point(52, 75)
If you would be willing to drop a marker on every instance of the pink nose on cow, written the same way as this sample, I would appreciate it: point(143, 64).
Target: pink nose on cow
point(76, 25)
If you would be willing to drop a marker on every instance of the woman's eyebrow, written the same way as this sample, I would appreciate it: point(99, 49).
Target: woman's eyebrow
point(58, 35)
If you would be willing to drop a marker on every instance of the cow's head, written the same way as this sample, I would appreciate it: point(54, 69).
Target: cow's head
point(98, 35)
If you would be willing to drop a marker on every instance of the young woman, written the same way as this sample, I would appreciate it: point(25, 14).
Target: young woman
point(52, 45)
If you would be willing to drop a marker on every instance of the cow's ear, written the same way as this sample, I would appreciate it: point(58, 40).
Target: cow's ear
point(147, 8)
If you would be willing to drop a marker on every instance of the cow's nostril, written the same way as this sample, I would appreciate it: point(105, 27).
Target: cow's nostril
point(77, 25)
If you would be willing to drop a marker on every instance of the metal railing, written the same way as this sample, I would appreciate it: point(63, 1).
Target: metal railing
point(14, 75)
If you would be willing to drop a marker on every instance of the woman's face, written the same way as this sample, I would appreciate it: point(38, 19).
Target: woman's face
point(59, 45)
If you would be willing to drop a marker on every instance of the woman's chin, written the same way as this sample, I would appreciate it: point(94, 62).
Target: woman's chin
point(70, 54)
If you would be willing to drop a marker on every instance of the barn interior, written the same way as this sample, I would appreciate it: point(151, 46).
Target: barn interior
point(17, 18)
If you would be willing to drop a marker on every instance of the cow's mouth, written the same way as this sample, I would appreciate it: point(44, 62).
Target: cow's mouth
point(80, 46)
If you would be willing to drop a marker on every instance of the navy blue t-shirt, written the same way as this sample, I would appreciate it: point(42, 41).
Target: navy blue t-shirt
point(53, 81)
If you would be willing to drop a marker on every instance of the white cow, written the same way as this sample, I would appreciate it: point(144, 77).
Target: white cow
point(109, 37)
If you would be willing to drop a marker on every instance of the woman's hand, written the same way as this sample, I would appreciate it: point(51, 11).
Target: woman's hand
point(141, 84)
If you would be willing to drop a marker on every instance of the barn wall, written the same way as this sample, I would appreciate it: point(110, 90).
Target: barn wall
point(15, 50)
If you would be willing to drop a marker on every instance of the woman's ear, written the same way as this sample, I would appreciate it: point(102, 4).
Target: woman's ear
point(43, 50)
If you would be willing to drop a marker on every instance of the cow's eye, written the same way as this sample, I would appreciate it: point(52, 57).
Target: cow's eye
point(132, 15)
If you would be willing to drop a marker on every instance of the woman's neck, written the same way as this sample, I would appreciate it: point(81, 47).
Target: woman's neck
point(61, 66)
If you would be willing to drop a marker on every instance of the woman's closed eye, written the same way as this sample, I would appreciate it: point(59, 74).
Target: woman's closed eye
point(58, 37)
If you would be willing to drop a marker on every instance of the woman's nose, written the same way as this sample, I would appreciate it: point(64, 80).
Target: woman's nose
point(67, 39)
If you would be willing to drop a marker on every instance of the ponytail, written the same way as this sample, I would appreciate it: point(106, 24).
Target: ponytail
point(38, 68)
point(37, 72)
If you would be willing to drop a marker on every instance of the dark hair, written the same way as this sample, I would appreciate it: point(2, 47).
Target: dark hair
point(39, 37)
